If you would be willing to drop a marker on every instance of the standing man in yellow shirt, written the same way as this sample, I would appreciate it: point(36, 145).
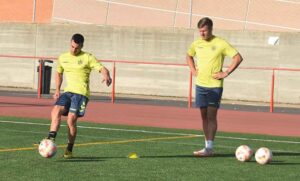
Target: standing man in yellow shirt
point(210, 52)
point(76, 65)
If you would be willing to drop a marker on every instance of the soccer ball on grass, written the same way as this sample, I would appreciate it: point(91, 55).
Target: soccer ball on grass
point(47, 148)
point(243, 153)
point(263, 155)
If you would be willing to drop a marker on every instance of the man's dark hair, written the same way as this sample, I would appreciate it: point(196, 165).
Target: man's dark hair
point(78, 38)
point(205, 22)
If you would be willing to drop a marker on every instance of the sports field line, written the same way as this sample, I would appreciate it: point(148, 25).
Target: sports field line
point(104, 143)
point(159, 132)
point(109, 129)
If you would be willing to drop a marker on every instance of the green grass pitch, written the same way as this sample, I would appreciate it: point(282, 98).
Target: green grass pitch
point(164, 154)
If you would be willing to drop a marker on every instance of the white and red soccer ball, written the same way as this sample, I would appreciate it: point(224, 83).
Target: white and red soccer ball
point(243, 153)
point(47, 148)
point(263, 155)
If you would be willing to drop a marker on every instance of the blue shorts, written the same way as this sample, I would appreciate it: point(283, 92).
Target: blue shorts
point(74, 103)
point(208, 96)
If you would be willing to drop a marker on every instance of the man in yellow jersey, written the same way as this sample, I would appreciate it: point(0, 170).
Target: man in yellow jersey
point(76, 65)
point(210, 52)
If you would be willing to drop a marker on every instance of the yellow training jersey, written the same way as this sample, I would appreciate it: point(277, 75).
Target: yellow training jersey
point(210, 57)
point(77, 71)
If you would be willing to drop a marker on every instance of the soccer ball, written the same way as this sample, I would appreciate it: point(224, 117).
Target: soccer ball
point(243, 153)
point(263, 155)
point(47, 148)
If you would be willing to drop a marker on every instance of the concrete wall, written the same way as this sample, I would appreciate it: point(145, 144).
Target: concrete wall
point(265, 15)
point(166, 45)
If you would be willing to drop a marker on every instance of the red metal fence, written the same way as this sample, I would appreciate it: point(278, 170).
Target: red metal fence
point(114, 72)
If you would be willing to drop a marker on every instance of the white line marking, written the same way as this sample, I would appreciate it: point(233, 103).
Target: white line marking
point(109, 129)
point(286, 1)
point(224, 146)
point(202, 15)
point(186, 13)
point(158, 132)
point(72, 20)
point(143, 7)
point(255, 139)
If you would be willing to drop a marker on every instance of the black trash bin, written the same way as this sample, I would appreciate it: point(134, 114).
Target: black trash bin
point(46, 76)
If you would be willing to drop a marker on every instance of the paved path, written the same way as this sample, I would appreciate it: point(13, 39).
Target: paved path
point(160, 116)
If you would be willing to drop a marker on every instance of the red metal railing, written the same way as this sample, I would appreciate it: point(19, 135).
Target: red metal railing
point(272, 80)
point(145, 63)
point(158, 63)
point(273, 84)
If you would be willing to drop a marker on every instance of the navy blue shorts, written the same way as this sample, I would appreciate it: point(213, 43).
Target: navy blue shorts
point(208, 96)
point(74, 103)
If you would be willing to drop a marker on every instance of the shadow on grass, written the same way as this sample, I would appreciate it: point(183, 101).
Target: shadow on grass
point(282, 163)
point(286, 154)
point(99, 159)
point(187, 156)
point(103, 158)
point(278, 162)
point(87, 159)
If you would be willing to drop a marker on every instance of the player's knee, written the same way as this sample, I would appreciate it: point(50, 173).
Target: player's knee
point(211, 118)
point(57, 111)
point(72, 119)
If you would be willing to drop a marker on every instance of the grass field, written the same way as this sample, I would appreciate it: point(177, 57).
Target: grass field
point(164, 154)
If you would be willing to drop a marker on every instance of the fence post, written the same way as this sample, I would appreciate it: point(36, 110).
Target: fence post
point(190, 90)
point(40, 79)
point(113, 83)
point(272, 91)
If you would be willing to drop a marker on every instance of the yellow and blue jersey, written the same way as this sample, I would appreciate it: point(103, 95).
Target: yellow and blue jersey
point(76, 69)
point(210, 58)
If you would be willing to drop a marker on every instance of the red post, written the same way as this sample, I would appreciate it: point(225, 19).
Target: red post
point(40, 80)
point(272, 92)
point(190, 90)
point(113, 83)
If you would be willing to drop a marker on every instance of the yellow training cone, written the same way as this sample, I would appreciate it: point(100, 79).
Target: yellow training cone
point(133, 156)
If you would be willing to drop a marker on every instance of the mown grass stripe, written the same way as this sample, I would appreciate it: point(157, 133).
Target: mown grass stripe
point(104, 142)
point(164, 133)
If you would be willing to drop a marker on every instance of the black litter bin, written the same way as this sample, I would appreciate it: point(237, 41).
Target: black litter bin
point(46, 76)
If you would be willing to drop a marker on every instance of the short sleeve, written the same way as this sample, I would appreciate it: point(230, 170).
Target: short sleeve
point(59, 68)
point(229, 50)
point(191, 51)
point(94, 64)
